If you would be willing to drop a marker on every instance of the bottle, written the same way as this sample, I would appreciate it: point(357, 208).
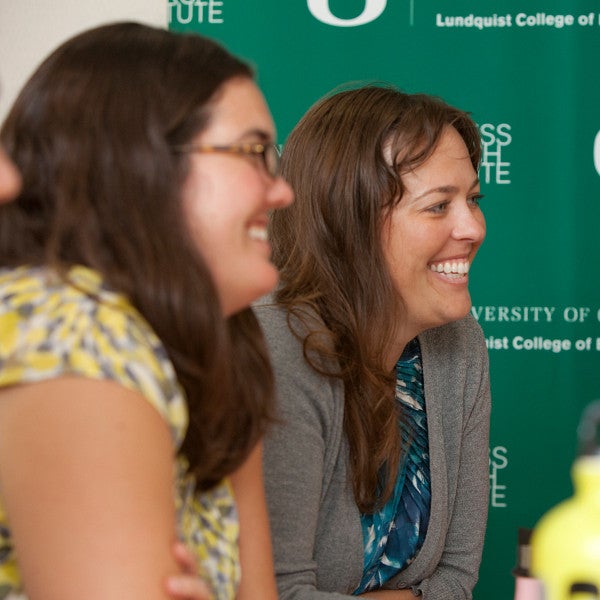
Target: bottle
point(526, 586)
point(565, 545)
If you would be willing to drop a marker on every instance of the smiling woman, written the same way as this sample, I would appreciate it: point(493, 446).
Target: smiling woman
point(438, 224)
point(229, 192)
point(135, 385)
point(377, 474)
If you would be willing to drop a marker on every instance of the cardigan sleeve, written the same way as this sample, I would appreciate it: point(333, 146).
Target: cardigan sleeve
point(302, 453)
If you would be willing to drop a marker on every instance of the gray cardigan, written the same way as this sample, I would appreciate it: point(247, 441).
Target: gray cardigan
point(315, 523)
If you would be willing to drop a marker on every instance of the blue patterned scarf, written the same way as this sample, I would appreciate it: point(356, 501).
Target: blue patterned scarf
point(393, 535)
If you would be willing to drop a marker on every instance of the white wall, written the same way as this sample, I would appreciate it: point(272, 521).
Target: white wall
point(31, 29)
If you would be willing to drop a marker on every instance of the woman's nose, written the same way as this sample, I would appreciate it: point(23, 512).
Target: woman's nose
point(470, 223)
point(280, 193)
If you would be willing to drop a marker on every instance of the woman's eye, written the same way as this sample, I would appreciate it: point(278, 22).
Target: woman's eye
point(474, 200)
point(439, 208)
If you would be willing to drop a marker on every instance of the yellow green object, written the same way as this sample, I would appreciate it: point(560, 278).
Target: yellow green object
point(565, 545)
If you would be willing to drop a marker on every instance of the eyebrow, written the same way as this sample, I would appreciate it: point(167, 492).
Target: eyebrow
point(446, 189)
point(261, 134)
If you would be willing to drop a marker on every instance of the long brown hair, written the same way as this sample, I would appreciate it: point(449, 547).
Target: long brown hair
point(328, 248)
point(92, 133)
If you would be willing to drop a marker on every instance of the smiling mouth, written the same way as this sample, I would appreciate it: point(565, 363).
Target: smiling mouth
point(259, 233)
point(454, 268)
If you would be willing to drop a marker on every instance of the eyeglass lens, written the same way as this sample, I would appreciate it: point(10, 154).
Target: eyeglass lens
point(270, 156)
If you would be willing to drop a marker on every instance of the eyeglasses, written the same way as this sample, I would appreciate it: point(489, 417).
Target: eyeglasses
point(268, 152)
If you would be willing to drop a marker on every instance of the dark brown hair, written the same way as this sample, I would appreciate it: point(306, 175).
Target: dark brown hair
point(92, 133)
point(328, 248)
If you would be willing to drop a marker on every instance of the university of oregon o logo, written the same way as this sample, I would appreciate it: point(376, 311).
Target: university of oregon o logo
point(321, 11)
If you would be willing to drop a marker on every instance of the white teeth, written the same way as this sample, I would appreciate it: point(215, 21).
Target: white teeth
point(259, 233)
point(460, 268)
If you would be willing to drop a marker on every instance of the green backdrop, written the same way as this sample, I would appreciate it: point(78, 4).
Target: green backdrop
point(529, 73)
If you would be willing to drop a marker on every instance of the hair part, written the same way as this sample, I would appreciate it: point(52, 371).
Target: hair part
point(327, 245)
point(92, 133)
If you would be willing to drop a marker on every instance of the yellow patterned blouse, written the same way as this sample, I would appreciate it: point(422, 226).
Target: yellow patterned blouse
point(49, 328)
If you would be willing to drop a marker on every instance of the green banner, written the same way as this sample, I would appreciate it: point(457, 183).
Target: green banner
point(529, 74)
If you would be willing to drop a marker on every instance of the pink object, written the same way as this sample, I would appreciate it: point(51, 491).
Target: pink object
point(528, 588)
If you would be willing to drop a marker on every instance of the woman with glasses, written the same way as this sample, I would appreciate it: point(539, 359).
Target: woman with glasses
point(134, 382)
point(377, 470)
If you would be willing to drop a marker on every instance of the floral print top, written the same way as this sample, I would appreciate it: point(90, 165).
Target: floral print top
point(50, 328)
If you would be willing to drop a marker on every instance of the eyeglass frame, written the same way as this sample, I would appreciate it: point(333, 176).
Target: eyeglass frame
point(268, 152)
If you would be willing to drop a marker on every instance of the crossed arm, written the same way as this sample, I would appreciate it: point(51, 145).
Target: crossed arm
point(86, 472)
